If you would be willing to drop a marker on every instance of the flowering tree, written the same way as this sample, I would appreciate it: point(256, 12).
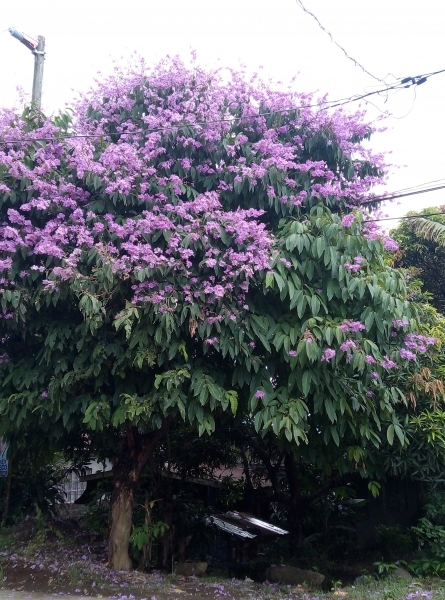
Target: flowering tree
point(341, 350)
point(194, 245)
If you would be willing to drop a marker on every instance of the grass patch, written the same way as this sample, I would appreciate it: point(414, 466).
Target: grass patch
point(6, 538)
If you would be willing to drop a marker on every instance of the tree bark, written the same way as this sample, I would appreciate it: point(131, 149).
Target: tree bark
point(167, 538)
point(8, 489)
point(122, 500)
point(137, 448)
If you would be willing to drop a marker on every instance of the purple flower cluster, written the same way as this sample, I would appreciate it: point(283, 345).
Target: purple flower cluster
point(354, 326)
point(355, 266)
point(347, 345)
point(328, 355)
point(348, 220)
point(55, 222)
point(407, 354)
point(175, 244)
point(387, 363)
point(398, 323)
point(419, 343)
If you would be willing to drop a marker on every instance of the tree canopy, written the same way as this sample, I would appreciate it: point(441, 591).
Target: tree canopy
point(191, 243)
point(421, 250)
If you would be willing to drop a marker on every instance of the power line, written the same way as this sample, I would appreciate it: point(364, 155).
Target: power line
point(407, 82)
point(395, 196)
point(420, 185)
point(356, 63)
point(436, 214)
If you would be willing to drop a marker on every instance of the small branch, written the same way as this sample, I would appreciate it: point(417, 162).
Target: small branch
point(247, 470)
point(156, 437)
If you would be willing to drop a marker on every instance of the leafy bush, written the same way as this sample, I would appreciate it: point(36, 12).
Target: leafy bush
point(33, 488)
point(430, 530)
point(144, 534)
point(427, 567)
point(97, 515)
point(392, 541)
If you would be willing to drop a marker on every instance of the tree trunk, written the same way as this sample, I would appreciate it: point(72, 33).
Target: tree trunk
point(148, 547)
point(122, 500)
point(297, 506)
point(167, 538)
point(297, 513)
point(136, 451)
point(8, 489)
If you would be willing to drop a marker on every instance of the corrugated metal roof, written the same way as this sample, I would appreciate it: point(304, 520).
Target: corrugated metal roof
point(243, 519)
point(243, 525)
point(224, 525)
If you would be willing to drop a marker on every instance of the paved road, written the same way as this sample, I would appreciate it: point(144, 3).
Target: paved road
point(9, 595)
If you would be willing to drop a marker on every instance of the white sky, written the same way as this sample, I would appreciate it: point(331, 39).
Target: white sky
point(402, 37)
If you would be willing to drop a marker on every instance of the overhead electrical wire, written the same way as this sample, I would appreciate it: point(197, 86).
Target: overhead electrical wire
point(420, 185)
point(406, 82)
point(422, 216)
point(356, 63)
point(396, 195)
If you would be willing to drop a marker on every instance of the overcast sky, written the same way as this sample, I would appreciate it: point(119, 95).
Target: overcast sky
point(401, 37)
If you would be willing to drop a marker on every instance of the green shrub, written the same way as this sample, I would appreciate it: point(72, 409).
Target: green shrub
point(392, 541)
point(429, 532)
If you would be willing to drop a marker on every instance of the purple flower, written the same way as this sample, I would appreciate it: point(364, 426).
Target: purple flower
point(328, 355)
point(98, 227)
point(387, 363)
point(346, 345)
point(350, 267)
point(348, 220)
point(354, 326)
point(293, 353)
point(400, 322)
point(374, 375)
point(390, 244)
point(407, 354)
point(260, 394)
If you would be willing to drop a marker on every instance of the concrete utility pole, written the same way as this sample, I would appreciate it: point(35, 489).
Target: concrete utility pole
point(37, 47)
point(39, 59)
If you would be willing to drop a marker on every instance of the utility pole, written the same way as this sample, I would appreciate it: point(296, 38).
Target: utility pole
point(39, 59)
point(37, 47)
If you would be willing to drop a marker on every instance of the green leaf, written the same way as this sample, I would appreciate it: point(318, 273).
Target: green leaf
point(301, 305)
point(279, 280)
point(315, 305)
point(306, 381)
point(374, 488)
point(390, 434)
point(330, 411)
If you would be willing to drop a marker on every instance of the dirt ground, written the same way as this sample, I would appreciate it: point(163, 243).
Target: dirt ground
point(60, 558)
